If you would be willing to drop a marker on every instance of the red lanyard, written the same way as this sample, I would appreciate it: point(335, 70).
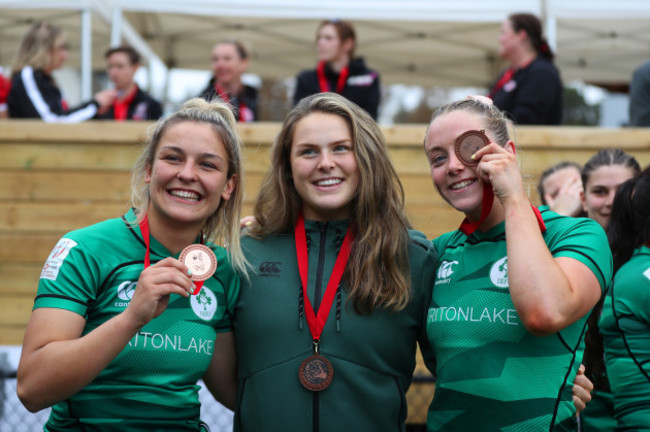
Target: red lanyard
point(507, 76)
point(467, 227)
point(144, 228)
point(121, 108)
point(315, 322)
point(224, 96)
point(322, 80)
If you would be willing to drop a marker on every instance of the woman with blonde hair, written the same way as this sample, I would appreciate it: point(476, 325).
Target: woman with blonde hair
point(519, 283)
point(34, 92)
point(131, 312)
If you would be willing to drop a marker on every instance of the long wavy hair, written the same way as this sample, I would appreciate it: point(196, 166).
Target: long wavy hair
point(37, 46)
point(222, 227)
point(377, 274)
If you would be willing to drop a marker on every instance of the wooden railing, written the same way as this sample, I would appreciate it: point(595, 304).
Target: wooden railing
point(55, 178)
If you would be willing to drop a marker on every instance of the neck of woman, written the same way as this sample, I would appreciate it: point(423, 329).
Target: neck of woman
point(174, 235)
point(233, 88)
point(338, 64)
point(523, 58)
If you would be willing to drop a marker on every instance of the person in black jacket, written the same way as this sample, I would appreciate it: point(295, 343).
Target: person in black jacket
point(34, 93)
point(131, 103)
point(530, 90)
point(229, 62)
point(338, 70)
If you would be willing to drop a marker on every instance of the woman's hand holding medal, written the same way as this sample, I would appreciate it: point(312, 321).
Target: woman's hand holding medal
point(155, 284)
point(498, 166)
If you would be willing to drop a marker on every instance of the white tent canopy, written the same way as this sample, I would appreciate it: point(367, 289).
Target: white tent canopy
point(427, 42)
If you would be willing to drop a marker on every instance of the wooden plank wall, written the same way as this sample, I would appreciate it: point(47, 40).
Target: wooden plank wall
point(56, 178)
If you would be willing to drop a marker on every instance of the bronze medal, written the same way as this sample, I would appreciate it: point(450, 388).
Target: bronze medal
point(469, 143)
point(200, 260)
point(316, 373)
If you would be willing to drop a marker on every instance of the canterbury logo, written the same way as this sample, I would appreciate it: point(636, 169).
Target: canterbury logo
point(270, 268)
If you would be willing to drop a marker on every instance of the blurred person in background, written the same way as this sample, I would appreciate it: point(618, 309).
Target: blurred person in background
point(560, 188)
point(34, 92)
point(338, 70)
point(230, 60)
point(131, 102)
point(530, 90)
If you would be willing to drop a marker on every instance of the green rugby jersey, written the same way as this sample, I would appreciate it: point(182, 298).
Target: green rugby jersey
point(625, 326)
point(152, 383)
point(492, 375)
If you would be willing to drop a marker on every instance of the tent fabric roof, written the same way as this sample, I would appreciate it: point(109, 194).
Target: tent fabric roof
point(426, 42)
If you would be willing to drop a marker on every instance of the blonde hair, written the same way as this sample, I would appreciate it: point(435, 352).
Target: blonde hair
point(377, 274)
point(222, 227)
point(37, 46)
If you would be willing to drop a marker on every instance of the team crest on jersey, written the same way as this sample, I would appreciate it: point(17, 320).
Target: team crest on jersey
point(125, 293)
point(499, 273)
point(204, 304)
point(444, 272)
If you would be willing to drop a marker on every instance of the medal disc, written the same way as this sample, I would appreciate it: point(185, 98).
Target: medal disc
point(200, 260)
point(469, 143)
point(316, 373)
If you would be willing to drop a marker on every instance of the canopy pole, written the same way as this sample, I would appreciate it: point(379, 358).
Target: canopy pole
point(116, 27)
point(86, 54)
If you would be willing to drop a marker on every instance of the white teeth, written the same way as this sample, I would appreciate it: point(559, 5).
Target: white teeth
point(328, 182)
point(193, 196)
point(461, 184)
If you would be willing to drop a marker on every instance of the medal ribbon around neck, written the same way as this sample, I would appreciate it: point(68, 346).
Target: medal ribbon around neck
point(322, 80)
point(315, 322)
point(144, 228)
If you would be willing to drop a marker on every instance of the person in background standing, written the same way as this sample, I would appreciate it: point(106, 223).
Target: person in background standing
point(338, 71)
point(131, 102)
point(230, 60)
point(625, 321)
point(530, 90)
point(640, 96)
point(34, 93)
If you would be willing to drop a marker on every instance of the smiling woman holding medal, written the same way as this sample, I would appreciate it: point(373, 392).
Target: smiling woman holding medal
point(122, 330)
point(519, 283)
point(326, 328)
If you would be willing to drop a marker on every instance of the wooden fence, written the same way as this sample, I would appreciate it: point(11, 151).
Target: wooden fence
point(55, 178)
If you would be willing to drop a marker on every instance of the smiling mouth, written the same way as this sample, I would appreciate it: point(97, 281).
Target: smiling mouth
point(462, 184)
point(328, 182)
point(185, 195)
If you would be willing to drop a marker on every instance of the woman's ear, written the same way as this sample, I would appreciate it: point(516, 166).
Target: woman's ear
point(511, 147)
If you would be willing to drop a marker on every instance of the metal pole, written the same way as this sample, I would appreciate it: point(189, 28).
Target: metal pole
point(86, 54)
point(116, 27)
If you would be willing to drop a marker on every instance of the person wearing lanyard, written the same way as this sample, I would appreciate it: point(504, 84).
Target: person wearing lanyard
point(34, 92)
point(514, 286)
point(229, 62)
point(131, 103)
point(625, 321)
point(530, 90)
point(327, 327)
point(123, 326)
point(338, 70)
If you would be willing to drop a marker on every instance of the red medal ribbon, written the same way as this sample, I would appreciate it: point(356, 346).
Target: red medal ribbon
point(322, 80)
point(467, 227)
point(144, 228)
point(315, 322)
